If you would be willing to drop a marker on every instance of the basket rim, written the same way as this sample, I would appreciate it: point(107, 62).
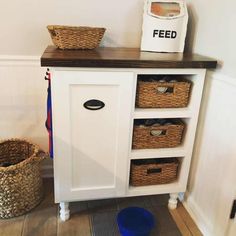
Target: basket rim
point(158, 127)
point(179, 122)
point(154, 161)
point(33, 157)
point(65, 27)
point(164, 83)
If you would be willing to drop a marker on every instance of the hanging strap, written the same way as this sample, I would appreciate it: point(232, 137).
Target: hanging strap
point(48, 122)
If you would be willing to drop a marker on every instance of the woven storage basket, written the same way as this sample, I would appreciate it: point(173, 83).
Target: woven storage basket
point(20, 179)
point(153, 171)
point(151, 94)
point(163, 136)
point(71, 37)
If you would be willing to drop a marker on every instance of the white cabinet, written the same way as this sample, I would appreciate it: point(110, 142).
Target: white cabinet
point(93, 110)
point(91, 142)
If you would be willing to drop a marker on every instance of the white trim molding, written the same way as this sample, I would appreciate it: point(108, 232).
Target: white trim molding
point(197, 215)
point(19, 60)
point(221, 77)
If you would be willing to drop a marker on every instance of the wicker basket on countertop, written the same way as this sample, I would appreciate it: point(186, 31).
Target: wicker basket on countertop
point(153, 171)
point(20, 177)
point(76, 37)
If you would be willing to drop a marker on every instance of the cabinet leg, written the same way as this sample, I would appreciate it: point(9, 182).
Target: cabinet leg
point(172, 204)
point(64, 211)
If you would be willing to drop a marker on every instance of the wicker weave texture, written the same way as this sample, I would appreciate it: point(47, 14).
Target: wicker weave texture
point(70, 37)
point(155, 173)
point(148, 95)
point(171, 137)
point(20, 182)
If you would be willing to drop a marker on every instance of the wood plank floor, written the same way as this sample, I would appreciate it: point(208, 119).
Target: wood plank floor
point(44, 219)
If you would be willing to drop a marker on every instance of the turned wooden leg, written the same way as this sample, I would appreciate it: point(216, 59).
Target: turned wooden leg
point(64, 211)
point(172, 204)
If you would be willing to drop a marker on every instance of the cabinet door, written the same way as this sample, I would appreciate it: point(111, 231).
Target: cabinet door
point(91, 146)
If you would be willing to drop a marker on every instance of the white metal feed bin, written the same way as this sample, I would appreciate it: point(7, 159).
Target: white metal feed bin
point(164, 26)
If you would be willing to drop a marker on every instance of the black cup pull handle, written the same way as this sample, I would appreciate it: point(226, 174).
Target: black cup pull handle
point(154, 171)
point(94, 104)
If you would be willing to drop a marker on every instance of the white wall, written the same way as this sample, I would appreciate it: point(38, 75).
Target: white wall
point(23, 23)
point(214, 31)
point(212, 181)
point(23, 101)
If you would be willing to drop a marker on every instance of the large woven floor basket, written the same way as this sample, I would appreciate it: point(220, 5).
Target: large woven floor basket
point(72, 37)
point(20, 178)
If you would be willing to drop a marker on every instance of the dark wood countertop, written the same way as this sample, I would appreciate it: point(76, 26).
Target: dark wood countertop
point(122, 58)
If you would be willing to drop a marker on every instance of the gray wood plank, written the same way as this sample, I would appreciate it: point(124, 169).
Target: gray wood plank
point(12, 227)
point(79, 222)
point(164, 224)
point(41, 222)
point(43, 219)
point(104, 224)
point(77, 225)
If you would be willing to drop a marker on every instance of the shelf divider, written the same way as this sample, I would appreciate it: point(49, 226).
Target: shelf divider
point(158, 153)
point(156, 189)
point(145, 113)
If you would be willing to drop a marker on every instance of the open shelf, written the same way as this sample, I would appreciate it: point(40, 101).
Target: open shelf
point(145, 113)
point(174, 187)
point(179, 151)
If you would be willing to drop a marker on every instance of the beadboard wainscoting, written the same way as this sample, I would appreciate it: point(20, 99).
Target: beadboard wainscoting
point(23, 101)
point(212, 187)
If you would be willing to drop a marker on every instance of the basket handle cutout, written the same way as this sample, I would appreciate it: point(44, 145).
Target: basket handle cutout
point(157, 133)
point(52, 31)
point(94, 104)
point(164, 89)
point(154, 171)
point(41, 155)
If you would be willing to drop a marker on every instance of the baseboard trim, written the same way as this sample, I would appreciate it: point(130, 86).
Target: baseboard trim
point(197, 215)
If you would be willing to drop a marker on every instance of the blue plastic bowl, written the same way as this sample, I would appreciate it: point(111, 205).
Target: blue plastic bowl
point(135, 221)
